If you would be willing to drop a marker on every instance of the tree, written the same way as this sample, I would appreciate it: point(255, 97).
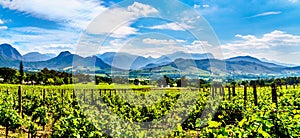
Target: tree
point(8, 74)
point(136, 82)
point(201, 82)
point(21, 73)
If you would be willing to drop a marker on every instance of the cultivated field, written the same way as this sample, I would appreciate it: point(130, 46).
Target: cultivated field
point(121, 110)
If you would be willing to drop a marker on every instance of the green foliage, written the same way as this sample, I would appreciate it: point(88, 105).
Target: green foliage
point(66, 116)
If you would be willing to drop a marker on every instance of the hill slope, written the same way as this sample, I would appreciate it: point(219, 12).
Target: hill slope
point(7, 51)
point(36, 56)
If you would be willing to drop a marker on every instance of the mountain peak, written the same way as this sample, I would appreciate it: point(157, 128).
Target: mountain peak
point(6, 50)
point(37, 56)
point(248, 58)
point(6, 45)
point(33, 53)
point(64, 53)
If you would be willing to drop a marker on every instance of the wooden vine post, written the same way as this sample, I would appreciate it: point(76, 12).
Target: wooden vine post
point(294, 85)
point(233, 89)
point(274, 100)
point(245, 94)
point(74, 95)
point(92, 96)
point(229, 92)
point(255, 95)
point(213, 92)
point(274, 94)
point(20, 100)
point(84, 95)
point(223, 92)
point(44, 96)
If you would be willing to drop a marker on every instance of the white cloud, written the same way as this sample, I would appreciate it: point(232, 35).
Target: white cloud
point(1, 21)
point(266, 14)
point(273, 39)
point(159, 41)
point(3, 27)
point(29, 39)
point(181, 41)
point(171, 26)
point(117, 43)
point(5, 40)
point(75, 13)
point(198, 46)
point(205, 6)
point(155, 48)
point(124, 31)
point(196, 6)
point(262, 46)
point(118, 20)
point(169, 47)
point(141, 9)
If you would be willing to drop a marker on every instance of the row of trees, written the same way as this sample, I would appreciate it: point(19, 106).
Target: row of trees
point(45, 76)
point(52, 77)
point(269, 81)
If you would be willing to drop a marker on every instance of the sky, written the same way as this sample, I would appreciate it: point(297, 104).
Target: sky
point(264, 29)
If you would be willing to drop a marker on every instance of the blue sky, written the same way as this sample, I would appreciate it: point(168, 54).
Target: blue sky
point(264, 29)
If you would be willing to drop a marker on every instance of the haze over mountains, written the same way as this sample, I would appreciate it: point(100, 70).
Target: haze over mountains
point(178, 61)
point(36, 56)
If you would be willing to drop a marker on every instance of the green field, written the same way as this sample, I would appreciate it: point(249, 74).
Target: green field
point(122, 110)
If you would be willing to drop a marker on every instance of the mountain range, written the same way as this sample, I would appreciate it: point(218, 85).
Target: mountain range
point(177, 61)
point(36, 56)
point(134, 62)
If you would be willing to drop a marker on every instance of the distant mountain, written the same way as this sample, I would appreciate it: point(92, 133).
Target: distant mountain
point(178, 62)
point(36, 56)
point(253, 60)
point(7, 51)
point(234, 65)
point(8, 62)
point(184, 55)
point(124, 60)
point(134, 62)
point(66, 60)
point(278, 63)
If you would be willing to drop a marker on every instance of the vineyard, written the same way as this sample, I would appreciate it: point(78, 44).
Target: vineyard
point(105, 111)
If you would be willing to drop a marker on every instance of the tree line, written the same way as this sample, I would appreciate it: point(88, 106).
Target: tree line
point(44, 76)
point(53, 77)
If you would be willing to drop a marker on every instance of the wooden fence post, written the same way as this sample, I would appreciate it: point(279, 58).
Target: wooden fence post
point(84, 95)
point(92, 96)
point(213, 92)
point(20, 100)
point(74, 96)
point(229, 92)
point(44, 96)
point(245, 95)
point(255, 95)
point(274, 94)
point(223, 92)
point(233, 91)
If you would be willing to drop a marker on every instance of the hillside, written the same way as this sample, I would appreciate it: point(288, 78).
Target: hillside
point(7, 51)
point(36, 56)
point(178, 62)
